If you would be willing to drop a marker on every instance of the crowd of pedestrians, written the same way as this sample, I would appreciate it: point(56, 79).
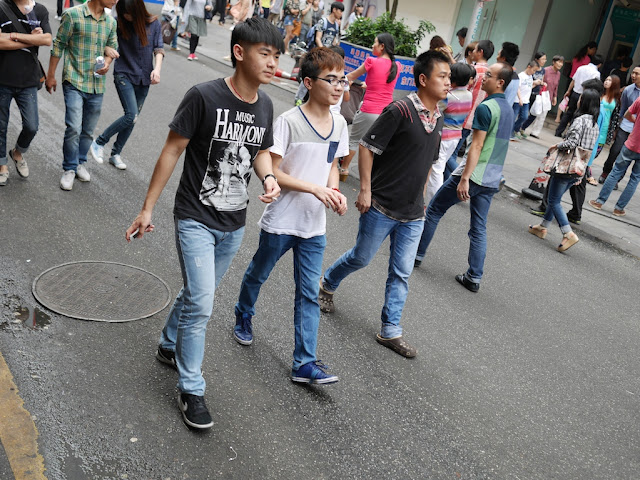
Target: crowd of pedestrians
point(407, 151)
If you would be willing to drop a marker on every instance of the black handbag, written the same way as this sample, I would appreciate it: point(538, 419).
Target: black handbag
point(18, 25)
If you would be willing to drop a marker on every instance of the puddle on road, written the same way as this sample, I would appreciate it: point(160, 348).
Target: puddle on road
point(30, 317)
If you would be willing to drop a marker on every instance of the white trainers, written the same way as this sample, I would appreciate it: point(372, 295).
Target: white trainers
point(21, 165)
point(66, 182)
point(117, 162)
point(82, 173)
point(4, 177)
point(97, 152)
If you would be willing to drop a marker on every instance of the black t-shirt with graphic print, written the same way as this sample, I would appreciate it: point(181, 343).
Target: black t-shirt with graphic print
point(18, 69)
point(403, 154)
point(225, 136)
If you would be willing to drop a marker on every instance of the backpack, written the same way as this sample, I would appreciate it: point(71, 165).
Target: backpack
point(310, 39)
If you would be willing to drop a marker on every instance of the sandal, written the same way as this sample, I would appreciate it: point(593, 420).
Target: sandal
point(592, 181)
point(325, 299)
point(398, 345)
point(344, 174)
point(538, 230)
point(568, 240)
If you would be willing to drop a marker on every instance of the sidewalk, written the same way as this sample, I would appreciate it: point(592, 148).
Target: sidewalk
point(523, 159)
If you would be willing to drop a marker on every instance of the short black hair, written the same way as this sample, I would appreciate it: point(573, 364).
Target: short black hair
point(594, 84)
point(487, 48)
point(460, 74)
point(510, 52)
point(338, 5)
point(557, 57)
point(597, 59)
point(505, 74)
point(253, 31)
point(319, 59)
point(425, 62)
point(462, 32)
point(626, 62)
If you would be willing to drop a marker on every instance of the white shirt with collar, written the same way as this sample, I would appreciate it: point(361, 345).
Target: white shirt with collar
point(584, 73)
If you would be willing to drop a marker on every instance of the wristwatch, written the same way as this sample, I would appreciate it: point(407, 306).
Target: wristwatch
point(267, 176)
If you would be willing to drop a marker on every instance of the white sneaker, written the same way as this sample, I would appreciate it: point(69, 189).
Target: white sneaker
point(66, 182)
point(83, 174)
point(57, 17)
point(117, 162)
point(4, 177)
point(97, 152)
point(21, 165)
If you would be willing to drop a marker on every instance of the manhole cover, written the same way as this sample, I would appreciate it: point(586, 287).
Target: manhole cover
point(101, 291)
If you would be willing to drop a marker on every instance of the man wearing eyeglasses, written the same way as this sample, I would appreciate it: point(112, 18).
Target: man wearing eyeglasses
point(477, 179)
point(394, 160)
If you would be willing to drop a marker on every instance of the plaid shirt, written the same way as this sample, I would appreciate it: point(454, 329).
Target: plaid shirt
point(429, 121)
point(83, 38)
point(582, 132)
point(476, 91)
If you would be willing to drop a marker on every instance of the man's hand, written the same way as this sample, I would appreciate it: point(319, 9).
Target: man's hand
point(363, 203)
point(463, 189)
point(155, 77)
point(342, 207)
point(37, 31)
point(208, 8)
point(271, 190)
point(328, 196)
point(142, 224)
point(554, 101)
point(50, 84)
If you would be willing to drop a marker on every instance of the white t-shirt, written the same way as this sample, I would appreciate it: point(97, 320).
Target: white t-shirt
point(525, 87)
point(306, 156)
point(584, 73)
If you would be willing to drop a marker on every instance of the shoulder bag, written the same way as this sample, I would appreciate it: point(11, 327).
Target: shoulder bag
point(567, 163)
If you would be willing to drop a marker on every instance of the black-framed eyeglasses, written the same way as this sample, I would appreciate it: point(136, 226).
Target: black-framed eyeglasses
point(333, 81)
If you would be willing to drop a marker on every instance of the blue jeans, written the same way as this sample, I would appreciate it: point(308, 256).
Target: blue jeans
point(557, 188)
point(520, 115)
point(27, 101)
point(452, 163)
point(479, 203)
point(373, 229)
point(205, 255)
point(307, 268)
point(132, 98)
point(619, 170)
point(82, 111)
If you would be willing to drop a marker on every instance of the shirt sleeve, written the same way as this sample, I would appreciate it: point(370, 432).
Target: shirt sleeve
point(267, 141)
point(189, 114)
point(112, 41)
point(281, 136)
point(158, 43)
point(44, 20)
point(61, 41)
point(379, 135)
point(482, 118)
point(368, 63)
point(635, 107)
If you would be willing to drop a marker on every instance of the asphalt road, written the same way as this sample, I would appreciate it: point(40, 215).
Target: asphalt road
point(534, 377)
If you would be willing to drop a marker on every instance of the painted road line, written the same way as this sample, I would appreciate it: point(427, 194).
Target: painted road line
point(18, 433)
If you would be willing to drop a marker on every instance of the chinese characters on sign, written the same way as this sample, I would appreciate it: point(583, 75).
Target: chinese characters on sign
point(355, 56)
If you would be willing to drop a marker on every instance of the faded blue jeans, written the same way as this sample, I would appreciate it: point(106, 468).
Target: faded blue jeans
point(132, 98)
point(205, 255)
point(479, 204)
point(27, 101)
point(619, 170)
point(557, 187)
point(307, 269)
point(82, 111)
point(373, 229)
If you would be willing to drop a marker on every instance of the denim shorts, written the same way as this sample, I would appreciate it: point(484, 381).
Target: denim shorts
point(288, 20)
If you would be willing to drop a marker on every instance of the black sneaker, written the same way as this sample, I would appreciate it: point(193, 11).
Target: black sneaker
point(537, 211)
point(468, 284)
point(194, 411)
point(575, 221)
point(417, 263)
point(168, 357)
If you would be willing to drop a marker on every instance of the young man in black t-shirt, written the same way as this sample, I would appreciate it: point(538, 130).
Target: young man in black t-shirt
point(20, 75)
point(395, 156)
point(226, 127)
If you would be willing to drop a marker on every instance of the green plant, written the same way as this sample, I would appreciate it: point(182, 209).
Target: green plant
point(363, 32)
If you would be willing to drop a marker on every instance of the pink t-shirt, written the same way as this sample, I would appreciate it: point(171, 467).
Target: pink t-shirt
point(633, 142)
point(379, 93)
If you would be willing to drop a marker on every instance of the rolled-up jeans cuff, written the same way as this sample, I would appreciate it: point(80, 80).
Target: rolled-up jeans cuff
point(3, 161)
point(21, 149)
point(389, 330)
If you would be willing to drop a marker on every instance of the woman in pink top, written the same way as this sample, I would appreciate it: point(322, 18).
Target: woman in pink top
point(583, 57)
point(382, 74)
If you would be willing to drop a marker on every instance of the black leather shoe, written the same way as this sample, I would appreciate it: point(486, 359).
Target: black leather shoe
point(468, 284)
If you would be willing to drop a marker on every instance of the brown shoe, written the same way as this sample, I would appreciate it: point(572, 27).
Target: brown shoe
point(325, 299)
point(538, 230)
point(398, 345)
point(568, 241)
point(596, 205)
point(619, 213)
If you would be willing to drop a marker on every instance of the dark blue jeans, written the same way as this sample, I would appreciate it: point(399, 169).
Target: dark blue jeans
point(307, 269)
point(27, 101)
point(82, 111)
point(557, 188)
point(479, 204)
point(132, 98)
point(520, 115)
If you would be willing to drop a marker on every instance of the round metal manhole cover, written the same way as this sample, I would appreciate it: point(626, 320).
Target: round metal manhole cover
point(101, 291)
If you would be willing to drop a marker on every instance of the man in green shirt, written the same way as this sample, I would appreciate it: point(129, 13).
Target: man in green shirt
point(85, 32)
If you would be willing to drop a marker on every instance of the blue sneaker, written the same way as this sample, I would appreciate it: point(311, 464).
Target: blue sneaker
point(313, 373)
point(243, 331)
